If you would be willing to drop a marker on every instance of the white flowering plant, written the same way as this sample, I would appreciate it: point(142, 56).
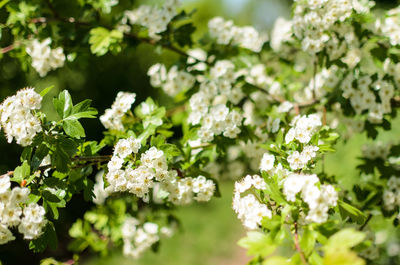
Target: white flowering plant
point(263, 110)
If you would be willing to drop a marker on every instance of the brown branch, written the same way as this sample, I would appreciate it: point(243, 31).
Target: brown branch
point(297, 245)
point(92, 158)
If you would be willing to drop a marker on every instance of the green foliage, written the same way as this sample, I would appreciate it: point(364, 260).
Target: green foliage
point(103, 40)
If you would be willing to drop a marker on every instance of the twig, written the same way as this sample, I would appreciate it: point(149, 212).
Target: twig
point(201, 146)
point(92, 159)
point(297, 245)
point(366, 222)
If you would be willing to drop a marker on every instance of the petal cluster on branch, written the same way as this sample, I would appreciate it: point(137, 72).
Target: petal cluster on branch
point(112, 118)
point(17, 118)
point(153, 18)
point(44, 58)
point(227, 33)
point(16, 212)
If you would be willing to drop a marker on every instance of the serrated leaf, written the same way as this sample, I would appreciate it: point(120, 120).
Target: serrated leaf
point(102, 40)
point(73, 128)
point(21, 172)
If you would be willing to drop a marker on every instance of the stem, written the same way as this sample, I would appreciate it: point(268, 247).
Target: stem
point(366, 222)
point(297, 245)
point(91, 159)
point(201, 146)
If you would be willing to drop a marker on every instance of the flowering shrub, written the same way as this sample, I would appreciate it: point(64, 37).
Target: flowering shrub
point(267, 108)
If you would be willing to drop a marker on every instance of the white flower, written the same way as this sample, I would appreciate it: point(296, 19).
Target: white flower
point(17, 119)
point(45, 59)
point(297, 160)
point(5, 235)
point(112, 118)
point(267, 162)
point(4, 184)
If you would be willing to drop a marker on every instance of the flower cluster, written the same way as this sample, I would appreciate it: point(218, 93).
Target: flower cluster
point(318, 199)
point(389, 27)
point(138, 238)
point(227, 33)
point(44, 58)
point(303, 128)
point(364, 98)
point(153, 173)
point(319, 85)
point(248, 208)
point(17, 119)
point(391, 195)
point(14, 211)
point(154, 19)
point(376, 150)
point(172, 82)
point(281, 32)
point(183, 191)
point(112, 118)
point(315, 20)
point(208, 105)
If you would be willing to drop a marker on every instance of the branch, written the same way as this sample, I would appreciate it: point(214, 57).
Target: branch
point(92, 159)
point(297, 245)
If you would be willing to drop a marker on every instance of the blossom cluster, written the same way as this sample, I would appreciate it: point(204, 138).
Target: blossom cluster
point(153, 173)
point(376, 150)
point(324, 81)
point(138, 238)
point(17, 119)
point(184, 191)
point(364, 98)
point(249, 208)
point(173, 81)
point(389, 26)
point(208, 105)
point(303, 128)
point(391, 195)
point(44, 58)
point(14, 211)
point(318, 199)
point(112, 118)
point(227, 33)
point(314, 20)
point(153, 18)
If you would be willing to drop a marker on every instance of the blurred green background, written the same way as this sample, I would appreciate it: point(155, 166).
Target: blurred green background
point(210, 231)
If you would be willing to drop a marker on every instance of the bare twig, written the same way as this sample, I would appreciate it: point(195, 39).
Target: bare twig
point(297, 245)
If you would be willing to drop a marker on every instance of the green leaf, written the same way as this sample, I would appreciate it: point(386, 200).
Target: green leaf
point(307, 241)
point(47, 239)
point(257, 243)
point(276, 260)
point(342, 257)
point(183, 34)
point(3, 3)
point(63, 104)
point(21, 172)
point(46, 90)
point(346, 238)
point(102, 40)
point(346, 210)
point(73, 128)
